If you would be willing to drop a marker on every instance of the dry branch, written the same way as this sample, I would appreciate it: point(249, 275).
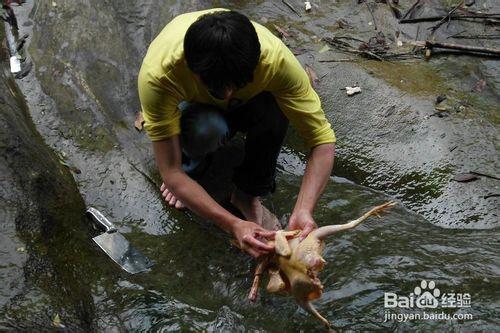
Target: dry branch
point(434, 28)
point(410, 10)
point(452, 17)
point(485, 51)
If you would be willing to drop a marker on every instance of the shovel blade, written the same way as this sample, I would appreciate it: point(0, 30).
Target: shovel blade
point(124, 254)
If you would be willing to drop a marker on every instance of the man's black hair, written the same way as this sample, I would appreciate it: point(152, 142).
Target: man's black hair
point(223, 49)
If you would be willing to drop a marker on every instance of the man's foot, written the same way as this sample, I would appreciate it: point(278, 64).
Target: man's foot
point(170, 198)
point(249, 206)
point(253, 210)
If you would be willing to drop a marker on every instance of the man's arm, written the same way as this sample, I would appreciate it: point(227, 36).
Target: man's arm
point(168, 159)
point(318, 171)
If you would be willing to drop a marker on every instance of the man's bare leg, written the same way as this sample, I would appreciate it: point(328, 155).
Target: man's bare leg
point(252, 208)
point(249, 206)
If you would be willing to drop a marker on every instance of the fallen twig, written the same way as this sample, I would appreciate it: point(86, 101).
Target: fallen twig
point(313, 77)
point(371, 13)
point(434, 28)
point(467, 48)
point(395, 11)
point(452, 17)
point(282, 32)
point(291, 7)
point(377, 53)
point(339, 60)
point(474, 36)
point(484, 175)
point(410, 10)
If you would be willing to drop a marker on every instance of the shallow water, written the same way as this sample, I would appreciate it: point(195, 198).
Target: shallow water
point(391, 254)
point(200, 282)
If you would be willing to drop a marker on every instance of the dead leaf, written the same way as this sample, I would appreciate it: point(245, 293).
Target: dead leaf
point(324, 49)
point(441, 108)
point(139, 122)
point(479, 86)
point(465, 177)
point(298, 51)
point(57, 321)
point(313, 77)
point(282, 32)
point(342, 24)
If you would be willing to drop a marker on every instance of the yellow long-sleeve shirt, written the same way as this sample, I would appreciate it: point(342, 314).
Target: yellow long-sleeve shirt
point(165, 80)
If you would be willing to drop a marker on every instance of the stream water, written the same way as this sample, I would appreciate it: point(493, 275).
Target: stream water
point(199, 283)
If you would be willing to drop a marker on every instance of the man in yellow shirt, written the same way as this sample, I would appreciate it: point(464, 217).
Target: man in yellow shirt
point(210, 74)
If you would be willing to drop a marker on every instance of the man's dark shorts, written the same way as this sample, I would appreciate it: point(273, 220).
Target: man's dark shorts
point(205, 128)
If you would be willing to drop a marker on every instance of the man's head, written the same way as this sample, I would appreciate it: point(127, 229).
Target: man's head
point(223, 49)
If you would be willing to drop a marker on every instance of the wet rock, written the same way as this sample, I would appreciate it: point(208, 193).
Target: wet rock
point(40, 209)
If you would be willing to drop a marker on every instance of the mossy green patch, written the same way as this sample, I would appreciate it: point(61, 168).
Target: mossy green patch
point(419, 79)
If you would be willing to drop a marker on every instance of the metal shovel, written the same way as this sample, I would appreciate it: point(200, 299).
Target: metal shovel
point(117, 247)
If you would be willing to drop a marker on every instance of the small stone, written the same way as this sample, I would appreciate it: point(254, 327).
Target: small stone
point(440, 98)
point(352, 90)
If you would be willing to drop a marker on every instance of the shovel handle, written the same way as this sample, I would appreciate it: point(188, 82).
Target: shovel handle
point(97, 216)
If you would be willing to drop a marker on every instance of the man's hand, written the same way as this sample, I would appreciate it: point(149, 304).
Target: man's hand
point(252, 238)
point(302, 221)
